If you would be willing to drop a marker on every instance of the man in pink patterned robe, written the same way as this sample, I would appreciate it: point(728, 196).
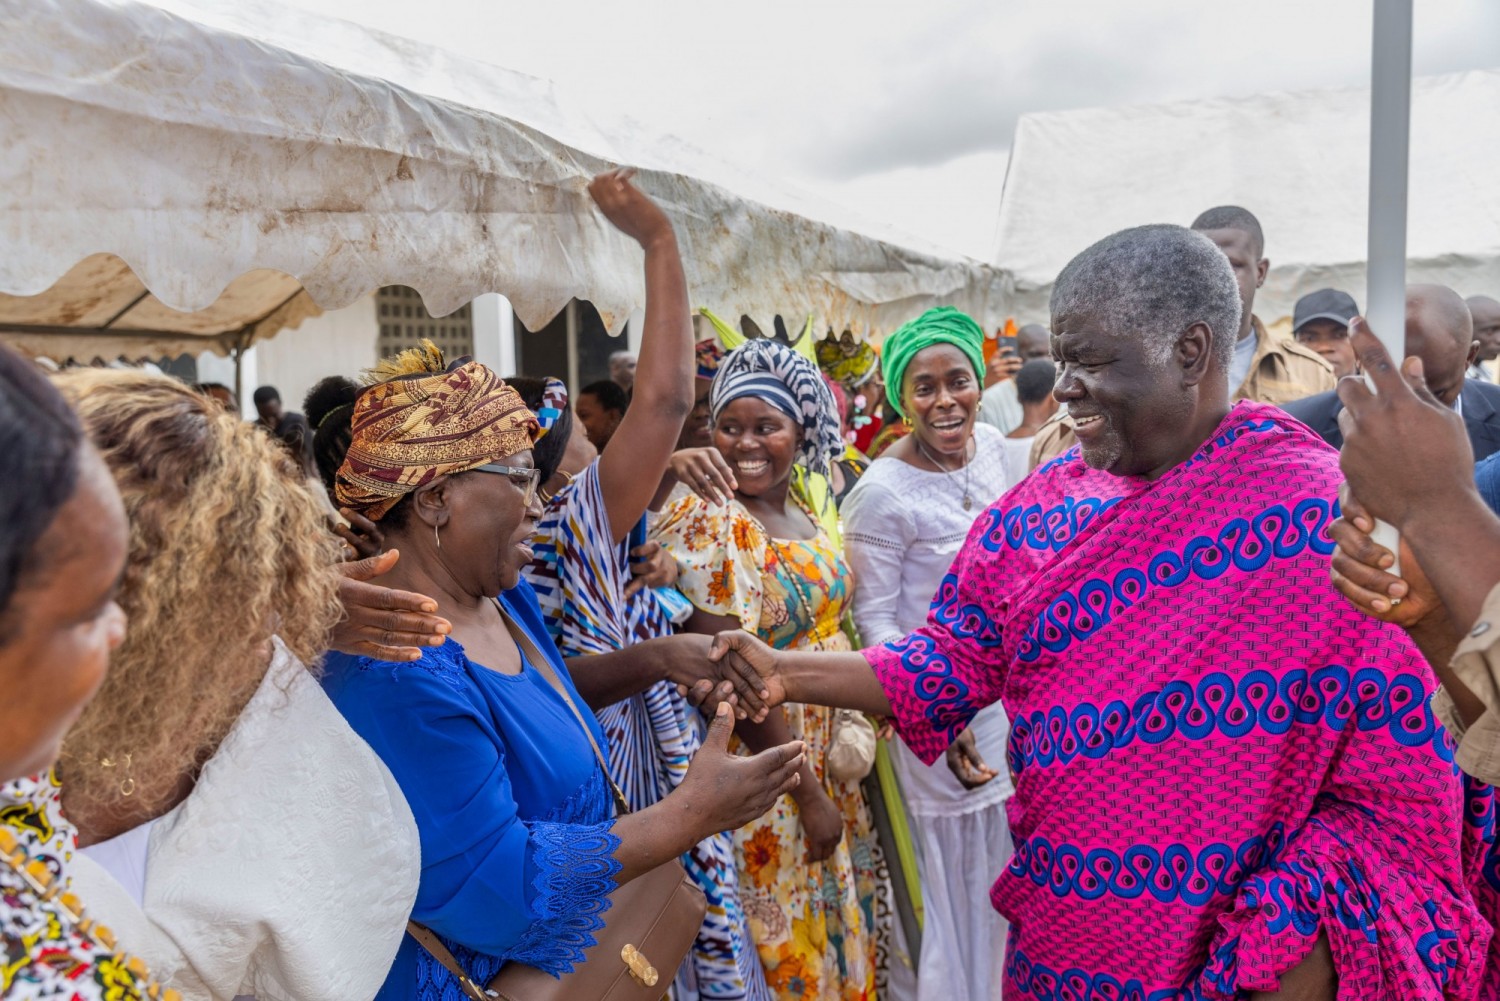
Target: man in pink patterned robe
point(1229, 783)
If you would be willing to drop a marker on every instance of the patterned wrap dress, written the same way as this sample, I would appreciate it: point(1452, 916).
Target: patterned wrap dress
point(44, 952)
point(821, 928)
point(579, 575)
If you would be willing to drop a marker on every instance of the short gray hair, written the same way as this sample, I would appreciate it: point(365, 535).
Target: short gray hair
point(1155, 281)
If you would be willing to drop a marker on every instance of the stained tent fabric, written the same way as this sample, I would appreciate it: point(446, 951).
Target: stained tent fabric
point(1299, 161)
point(263, 163)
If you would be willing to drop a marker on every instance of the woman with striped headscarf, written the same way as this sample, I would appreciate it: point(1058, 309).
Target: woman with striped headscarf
point(811, 871)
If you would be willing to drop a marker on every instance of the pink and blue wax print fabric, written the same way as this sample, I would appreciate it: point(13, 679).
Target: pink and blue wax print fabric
point(1216, 758)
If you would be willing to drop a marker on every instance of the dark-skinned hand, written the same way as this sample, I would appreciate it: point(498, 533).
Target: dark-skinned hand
point(1361, 572)
point(1002, 367)
point(651, 565)
point(966, 763)
point(822, 823)
point(706, 473)
point(628, 208)
point(685, 663)
point(1404, 453)
point(723, 791)
point(750, 665)
point(380, 622)
point(363, 537)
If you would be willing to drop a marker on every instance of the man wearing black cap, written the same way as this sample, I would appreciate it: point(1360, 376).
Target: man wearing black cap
point(1440, 331)
point(1320, 321)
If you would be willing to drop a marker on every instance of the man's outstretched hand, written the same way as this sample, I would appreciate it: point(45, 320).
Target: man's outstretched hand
point(751, 667)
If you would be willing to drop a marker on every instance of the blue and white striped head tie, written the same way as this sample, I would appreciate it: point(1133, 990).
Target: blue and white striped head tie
point(554, 402)
point(771, 371)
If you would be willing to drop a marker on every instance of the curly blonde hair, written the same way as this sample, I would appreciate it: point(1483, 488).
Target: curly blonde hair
point(227, 547)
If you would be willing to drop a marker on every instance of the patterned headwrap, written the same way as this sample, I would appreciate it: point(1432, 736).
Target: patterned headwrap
point(409, 431)
point(847, 361)
point(941, 325)
point(554, 402)
point(709, 356)
point(771, 371)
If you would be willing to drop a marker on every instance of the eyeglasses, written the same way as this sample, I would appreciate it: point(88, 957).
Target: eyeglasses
point(528, 478)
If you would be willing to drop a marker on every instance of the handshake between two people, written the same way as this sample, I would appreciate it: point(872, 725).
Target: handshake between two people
point(754, 679)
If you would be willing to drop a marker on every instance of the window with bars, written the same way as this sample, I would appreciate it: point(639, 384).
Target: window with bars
point(404, 322)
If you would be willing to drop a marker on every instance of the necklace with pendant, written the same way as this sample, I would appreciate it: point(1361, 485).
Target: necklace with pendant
point(968, 500)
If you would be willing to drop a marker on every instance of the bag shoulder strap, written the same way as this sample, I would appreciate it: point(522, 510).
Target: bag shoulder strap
point(424, 935)
point(428, 940)
point(544, 666)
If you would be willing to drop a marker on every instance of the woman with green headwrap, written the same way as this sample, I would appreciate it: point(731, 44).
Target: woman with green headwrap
point(903, 523)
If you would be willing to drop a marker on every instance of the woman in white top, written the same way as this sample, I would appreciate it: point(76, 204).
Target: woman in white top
point(235, 832)
point(903, 523)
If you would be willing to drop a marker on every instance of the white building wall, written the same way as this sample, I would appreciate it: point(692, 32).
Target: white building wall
point(494, 333)
point(340, 342)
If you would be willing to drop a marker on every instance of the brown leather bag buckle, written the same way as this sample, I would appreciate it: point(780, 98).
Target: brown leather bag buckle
point(640, 967)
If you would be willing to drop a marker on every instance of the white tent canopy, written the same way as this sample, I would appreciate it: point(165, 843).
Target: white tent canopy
point(203, 141)
point(1298, 161)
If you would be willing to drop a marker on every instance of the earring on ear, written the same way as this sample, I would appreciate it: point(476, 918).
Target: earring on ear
point(435, 536)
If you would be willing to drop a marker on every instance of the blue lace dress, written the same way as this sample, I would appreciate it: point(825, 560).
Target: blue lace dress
point(512, 810)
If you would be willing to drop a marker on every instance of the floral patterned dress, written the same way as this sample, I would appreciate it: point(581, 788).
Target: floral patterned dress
point(817, 926)
point(48, 948)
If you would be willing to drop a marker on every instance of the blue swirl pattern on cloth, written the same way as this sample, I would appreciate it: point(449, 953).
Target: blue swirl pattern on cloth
point(1221, 706)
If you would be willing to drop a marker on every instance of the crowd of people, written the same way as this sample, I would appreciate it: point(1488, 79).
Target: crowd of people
point(421, 692)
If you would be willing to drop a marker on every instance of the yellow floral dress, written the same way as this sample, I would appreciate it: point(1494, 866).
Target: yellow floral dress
point(815, 925)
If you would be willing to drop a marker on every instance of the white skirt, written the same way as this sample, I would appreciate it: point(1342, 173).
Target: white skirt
point(963, 843)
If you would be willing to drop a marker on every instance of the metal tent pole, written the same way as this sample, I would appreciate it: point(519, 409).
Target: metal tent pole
point(1390, 139)
point(1390, 128)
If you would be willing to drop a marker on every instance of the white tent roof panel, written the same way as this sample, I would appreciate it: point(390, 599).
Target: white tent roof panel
point(1299, 161)
point(201, 141)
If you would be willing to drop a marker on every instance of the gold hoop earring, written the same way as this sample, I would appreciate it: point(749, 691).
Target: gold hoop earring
point(435, 537)
point(127, 784)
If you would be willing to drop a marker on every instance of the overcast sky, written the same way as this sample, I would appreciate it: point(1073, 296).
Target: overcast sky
point(904, 112)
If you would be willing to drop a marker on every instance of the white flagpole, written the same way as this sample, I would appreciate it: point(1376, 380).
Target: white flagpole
point(1390, 127)
point(1390, 135)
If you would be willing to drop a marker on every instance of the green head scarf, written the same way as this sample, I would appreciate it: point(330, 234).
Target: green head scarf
point(941, 325)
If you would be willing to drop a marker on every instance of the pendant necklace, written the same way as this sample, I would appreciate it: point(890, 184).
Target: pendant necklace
point(968, 501)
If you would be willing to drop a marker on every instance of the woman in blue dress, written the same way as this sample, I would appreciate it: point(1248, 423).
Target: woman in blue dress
point(520, 851)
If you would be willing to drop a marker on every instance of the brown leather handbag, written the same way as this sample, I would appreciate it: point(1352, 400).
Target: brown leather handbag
point(648, 929)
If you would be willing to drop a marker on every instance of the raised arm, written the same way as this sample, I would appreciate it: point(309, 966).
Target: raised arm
point(633, 462)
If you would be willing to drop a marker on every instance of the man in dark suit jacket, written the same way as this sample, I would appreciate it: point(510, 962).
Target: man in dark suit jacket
point(1440, 331)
